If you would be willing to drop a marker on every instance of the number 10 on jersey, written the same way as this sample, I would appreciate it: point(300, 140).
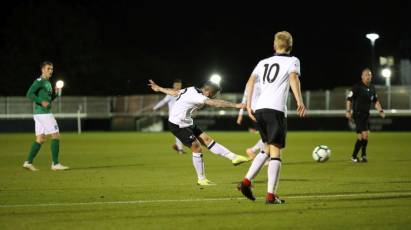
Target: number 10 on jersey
point(267, 72)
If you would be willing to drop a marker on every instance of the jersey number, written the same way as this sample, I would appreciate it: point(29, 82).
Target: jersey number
point(267, 72)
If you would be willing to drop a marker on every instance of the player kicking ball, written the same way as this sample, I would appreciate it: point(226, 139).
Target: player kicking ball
point(42, 94)
point(182, 126)
point(275, 75)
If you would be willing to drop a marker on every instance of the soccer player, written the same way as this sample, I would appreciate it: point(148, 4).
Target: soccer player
point(170, 100)
point(259, 146)
point(42, 94)
point(275, 76)
point(182, 126)
point(358, 108)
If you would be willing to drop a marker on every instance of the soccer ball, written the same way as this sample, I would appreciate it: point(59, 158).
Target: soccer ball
point(321, 153)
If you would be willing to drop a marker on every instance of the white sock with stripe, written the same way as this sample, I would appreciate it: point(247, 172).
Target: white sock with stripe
point(198, 164)
point(273, 175)
point(218, 149)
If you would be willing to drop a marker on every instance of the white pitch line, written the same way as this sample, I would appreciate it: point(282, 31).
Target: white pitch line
point(381, 194)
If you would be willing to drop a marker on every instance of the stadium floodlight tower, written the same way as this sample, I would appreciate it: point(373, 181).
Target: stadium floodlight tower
point(386, 73)
point(59, 86)
point(215, 78)
point(372, 37)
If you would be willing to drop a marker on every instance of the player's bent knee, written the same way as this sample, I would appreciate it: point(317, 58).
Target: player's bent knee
point(55, 135)
point(275, 155)
point(275, 150)
point(40, 139)
point(208, 141)
point(205, 139)
point(196, 147)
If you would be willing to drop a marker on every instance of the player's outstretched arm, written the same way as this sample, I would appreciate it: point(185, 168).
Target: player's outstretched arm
point(161, 103)
point(223, 104)
point(157, 88)
point(296, 88)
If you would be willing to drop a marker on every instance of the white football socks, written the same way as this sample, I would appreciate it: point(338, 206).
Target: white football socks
point(199, 165)
point(259, 146)
point(218, 149)
point(273, 174)
point(179, 144)
point(257, 164)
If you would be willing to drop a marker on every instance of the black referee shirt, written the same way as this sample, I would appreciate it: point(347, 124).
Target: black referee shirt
point(361, 96)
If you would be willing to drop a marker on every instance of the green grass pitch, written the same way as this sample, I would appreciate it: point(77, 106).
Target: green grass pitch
point(136, 181)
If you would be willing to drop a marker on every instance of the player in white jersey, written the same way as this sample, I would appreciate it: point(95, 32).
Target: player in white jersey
point(182, 126)
point(170, 100)
point(275, 76)
point(259, 146)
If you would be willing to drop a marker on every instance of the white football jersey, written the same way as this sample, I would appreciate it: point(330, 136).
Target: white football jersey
point(170, 100)
point(273, 78)
point(187, 101)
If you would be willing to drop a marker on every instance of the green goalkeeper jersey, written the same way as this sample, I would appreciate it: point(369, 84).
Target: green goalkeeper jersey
point(41, 90)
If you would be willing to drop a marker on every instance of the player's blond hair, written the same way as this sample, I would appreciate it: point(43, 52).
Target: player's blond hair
point(283, 41)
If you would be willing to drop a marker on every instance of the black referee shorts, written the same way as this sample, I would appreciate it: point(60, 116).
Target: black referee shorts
point(362, 121)
point(272, 126)
point(186, 135)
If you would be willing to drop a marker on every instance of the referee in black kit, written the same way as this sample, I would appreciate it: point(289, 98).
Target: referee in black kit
point(358, 108)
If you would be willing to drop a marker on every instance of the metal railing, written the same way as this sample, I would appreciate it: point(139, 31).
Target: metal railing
point(395, 100)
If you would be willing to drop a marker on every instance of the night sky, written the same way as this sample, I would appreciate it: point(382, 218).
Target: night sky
point(113, 47)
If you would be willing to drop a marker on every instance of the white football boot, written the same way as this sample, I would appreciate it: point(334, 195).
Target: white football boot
point(59, 167)
point(29, 166)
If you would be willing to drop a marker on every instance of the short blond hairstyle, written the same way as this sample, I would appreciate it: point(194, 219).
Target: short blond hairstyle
point(283, 41)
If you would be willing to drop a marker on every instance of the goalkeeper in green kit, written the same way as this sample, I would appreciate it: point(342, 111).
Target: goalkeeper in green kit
point(42, 93)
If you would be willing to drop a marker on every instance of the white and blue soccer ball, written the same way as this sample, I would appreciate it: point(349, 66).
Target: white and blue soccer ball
point(321, 153)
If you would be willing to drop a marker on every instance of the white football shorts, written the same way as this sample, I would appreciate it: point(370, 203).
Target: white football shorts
point(45, 124)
